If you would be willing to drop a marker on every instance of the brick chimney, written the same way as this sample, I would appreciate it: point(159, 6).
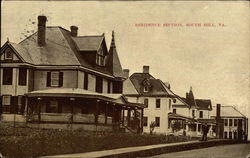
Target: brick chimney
point(145, 69)
point(41, 30)
point(73, 30)
point(126, 72)
point(218, 109)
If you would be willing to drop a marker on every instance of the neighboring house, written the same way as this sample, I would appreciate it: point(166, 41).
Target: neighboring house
point(235, 123)
point(59, 78)
point(154, 94)
point(197, 113)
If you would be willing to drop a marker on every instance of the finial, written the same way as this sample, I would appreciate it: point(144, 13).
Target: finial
point(8, 39)
point(190, 88)
point(113, 40)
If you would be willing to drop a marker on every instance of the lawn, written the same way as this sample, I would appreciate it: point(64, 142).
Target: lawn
point(27, 142)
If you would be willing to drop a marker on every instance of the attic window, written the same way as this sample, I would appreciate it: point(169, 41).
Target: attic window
point(146, 89)
point(100, 57)
point(8, 55)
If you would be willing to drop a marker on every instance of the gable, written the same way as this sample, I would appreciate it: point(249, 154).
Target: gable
point(8, 55)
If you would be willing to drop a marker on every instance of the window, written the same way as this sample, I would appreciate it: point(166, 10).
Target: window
point(158, 103)
point(174, 111)
point(8, 55)
point(230, 122)
point(146, 89)
point(225, 135)
point(193, 113)
point(52, 107)
point(7, 76)
point(230, 135)
point(225, 122)
point(157, 121)
point(169, 106)
point(54, 79)
point(235, 122)
point(201, 114)
point(199, 127)
point(98, 84)
point(146, 102)
point(6, 101)
point(22, 76)
point(174, 100)
point(100, 57)
point(145, 121)
point(86, 81)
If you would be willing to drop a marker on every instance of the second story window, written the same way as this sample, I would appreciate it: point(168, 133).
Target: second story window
point(7, 76)
point(201, 114)
point(193, 113)
point(22, 77)
point(54, 79)
point(100, 57)
point(86, 81)
point(146, 102)
point(158, 103)
point(235, 122)
point(226, 122)
point(174, 111)
point(99, 84)
point(230, 122)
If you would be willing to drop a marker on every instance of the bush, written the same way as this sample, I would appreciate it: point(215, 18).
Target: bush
point(27, 142)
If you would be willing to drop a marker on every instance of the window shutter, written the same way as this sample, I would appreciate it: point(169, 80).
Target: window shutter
point(48, 79)
point(60, 79)
point(1, 105)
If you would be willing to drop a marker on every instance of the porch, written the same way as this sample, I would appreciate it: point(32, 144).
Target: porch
point(82, 109)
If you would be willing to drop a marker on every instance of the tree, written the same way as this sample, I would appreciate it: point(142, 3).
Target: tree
point(176, 126)
point(152, 127)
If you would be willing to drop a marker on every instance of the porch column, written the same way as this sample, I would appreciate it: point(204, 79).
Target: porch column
point(113, 113)
point(106, 113)
point(142, 113)
point(129, 114)
point(26, 105)
point(72, 109)
point(39, 109)
point(123, 113)
point(96, 111)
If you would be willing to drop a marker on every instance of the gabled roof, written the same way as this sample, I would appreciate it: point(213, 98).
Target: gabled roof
point(88, 43)
point(57, 50)
point(129, 88)
point(228, 111)
point(61, 49)
point(203, 104)
point(156, 87)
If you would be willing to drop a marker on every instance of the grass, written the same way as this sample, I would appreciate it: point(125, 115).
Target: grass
point(27, 142)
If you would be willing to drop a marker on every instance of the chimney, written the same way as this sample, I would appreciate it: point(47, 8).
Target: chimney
point(145, 69)
point(126, 72)
point(41, 30)
point(73, 30)
point(218, 107)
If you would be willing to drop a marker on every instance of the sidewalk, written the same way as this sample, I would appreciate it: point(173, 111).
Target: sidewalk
point(149, 150)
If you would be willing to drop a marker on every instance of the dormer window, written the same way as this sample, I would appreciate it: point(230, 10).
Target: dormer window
point(100, 57)
point(146, 89)
point(8, 55)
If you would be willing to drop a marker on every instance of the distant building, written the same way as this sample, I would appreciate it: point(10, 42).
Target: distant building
point(59, 79)
point(154, 94)
point(235, 123)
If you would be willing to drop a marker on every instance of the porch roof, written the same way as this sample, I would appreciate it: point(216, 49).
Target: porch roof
point(208, 121)
point(81, 93)
point(178, 116)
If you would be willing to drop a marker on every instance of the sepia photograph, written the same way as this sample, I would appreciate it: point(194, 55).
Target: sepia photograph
point(118, 79)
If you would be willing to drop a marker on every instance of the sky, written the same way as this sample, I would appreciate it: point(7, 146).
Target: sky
point(215, 61)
